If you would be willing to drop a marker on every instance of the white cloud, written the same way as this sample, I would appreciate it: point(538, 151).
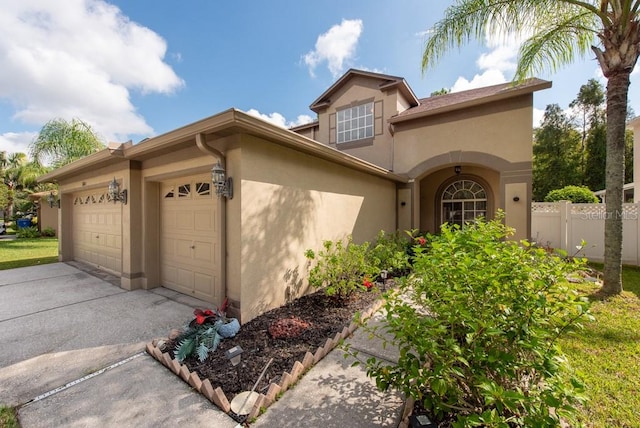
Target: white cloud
point(336, 46)
point(488, 78)
point(279, 120)
point(500, 60)
point(16, 142)
point(79, 58)
point(538, 115)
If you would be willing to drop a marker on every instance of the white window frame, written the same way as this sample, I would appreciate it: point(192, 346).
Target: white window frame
point(463, 201)
point(354, 123)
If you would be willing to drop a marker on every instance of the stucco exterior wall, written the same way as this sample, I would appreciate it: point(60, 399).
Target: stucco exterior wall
point(501, 129)
point(292, 202)
point(48, 216)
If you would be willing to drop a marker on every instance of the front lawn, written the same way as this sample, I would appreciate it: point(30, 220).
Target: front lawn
point(27, 252)
point(606, 354)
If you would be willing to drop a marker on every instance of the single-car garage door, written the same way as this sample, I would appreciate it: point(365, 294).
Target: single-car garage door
point(190, 238)
point(97, 230)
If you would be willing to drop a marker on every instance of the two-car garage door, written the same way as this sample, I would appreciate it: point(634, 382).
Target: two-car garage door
point(189, 252)
point(190, 237)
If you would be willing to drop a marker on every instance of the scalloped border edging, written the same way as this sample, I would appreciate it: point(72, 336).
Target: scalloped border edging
point(219, 398)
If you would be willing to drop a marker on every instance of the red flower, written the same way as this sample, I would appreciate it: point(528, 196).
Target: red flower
point(367, 284)
point(421, 240)
point(201, 316)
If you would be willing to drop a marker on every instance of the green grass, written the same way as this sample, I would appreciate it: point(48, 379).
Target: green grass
point(606, 355)
point(8, 418)
point(27, 252)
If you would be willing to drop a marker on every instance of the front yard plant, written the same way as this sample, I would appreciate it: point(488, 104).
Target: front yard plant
point(341, 268)
point(203, 334)
point(477, 324)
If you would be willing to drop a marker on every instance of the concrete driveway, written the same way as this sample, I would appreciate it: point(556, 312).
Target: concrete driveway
point(60, 323)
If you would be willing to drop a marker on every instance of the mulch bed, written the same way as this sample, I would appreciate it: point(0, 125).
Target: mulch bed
point(299, 327)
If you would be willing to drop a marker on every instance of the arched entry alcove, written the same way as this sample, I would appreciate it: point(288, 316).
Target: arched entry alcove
point(447, 196)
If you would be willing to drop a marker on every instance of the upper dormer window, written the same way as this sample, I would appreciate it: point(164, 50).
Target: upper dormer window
point(355, 123)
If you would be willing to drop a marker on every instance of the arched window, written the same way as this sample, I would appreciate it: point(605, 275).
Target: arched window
point(463, 201)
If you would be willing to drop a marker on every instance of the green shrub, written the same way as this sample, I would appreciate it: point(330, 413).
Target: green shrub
point(575, 194)
point(28, 232)
point(477, 324)
point(341, 268)
point(48, 232)
point(390, 253)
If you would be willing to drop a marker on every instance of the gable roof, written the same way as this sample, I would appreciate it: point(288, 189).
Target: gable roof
point(464, 99)
point(226, 123)
point(386, 82)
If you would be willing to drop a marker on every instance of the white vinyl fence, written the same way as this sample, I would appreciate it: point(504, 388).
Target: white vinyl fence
point(564, 225)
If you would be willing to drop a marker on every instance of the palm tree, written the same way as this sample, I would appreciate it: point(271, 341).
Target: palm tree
point(60, 142)
point(557, 32)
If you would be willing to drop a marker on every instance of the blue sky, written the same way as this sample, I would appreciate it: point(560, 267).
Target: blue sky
point(134, 69)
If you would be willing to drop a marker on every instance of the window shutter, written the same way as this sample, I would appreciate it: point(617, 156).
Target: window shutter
point(377, 118)
point(332, 128)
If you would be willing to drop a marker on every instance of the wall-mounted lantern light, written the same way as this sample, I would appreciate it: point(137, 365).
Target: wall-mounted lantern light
point(51, 199)
point(114, 194)
point(223, 185)
point(457, 169)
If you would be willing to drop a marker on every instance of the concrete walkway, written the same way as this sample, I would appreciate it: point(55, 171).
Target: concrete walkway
point(61, 323)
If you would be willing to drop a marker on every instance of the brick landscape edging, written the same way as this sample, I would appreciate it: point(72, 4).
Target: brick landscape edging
point(218, 397)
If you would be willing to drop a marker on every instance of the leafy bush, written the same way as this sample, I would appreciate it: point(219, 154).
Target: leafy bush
point(341, 268)
point(48, 232)
point(575, 194)
point(477, 325)
point(28, 232)
point(390, 253)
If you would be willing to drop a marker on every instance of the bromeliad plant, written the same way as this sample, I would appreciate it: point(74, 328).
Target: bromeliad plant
point(203, 334)
point(477, 326)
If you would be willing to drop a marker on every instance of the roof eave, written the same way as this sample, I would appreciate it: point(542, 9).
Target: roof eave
point(511, 93)
point(241, 122)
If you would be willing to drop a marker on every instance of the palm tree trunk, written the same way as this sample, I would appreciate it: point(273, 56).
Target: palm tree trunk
point(617, 90)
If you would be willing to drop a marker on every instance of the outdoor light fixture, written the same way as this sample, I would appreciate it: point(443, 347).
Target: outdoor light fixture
point(51, 199)
point(114, 194)
point(234, 355)
point(223, 185)
point(457, 169)
point(384, 274)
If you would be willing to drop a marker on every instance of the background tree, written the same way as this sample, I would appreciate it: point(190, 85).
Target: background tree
point(596, 157)
point(588, 105)
point(559, 31)
point(441, 91)
point(60, 142)
point(628, 157)
point(4, 198)
point(556, 153)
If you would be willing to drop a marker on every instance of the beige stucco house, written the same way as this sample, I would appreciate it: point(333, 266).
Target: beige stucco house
point(377, 158)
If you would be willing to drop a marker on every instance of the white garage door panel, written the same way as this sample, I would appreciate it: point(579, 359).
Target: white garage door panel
point(189, 238)
point(97, 230)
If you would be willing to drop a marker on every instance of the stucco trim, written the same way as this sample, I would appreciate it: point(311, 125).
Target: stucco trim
point(459, 157)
